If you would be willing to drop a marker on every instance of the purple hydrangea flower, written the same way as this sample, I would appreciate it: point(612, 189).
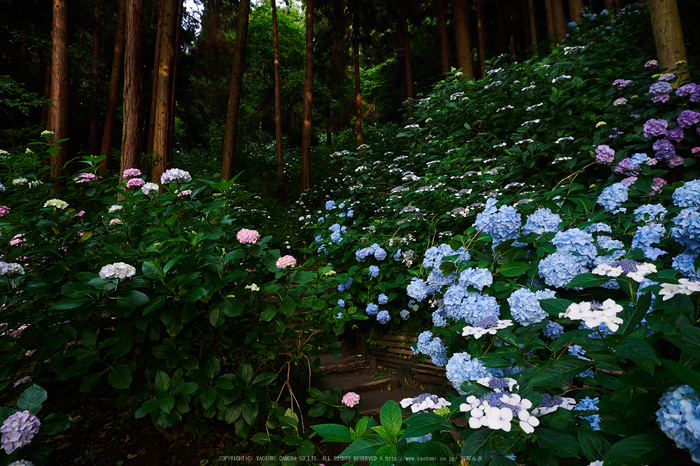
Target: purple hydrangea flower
point(604, 154)
point(655, 127)
point(18, 430)
point(620, 83)
point(675, 134)
point(688, 118)
point(660, 91)
point(663, 149)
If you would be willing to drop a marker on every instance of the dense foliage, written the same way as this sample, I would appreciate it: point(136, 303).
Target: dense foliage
point(537, 230)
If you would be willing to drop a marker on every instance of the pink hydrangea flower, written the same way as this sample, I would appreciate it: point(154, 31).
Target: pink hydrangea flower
point(80, 214)
point(17, 239)
point(26, 379)
point(4, 210)
point(286, 261)
point(135, 183)
point(116, 221)
point(350, 399)
point(85, 177)
point(249, 236)
point(185, 192)
point(694, 150)
point(131, 173)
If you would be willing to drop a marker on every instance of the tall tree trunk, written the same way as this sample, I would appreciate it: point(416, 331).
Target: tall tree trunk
point(559, 21)
point(575, 7)
point(173, 82)
point(279, 158)
point(533, 22)
point(93, 138)
point(356, 63)
point(465, 58)
point(444, 42)
point(154, 79)
point(58, 114)
point(550, 19)
point(482, 36)
point(234, 95)
point(117, 63)
point(162, 109)
point(406, 50)
point(131, 134)
point(668, 35)
point(308, 97)
point(609, 4)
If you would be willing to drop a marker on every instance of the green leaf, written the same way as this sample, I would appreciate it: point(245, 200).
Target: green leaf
point(66, 304)
point(132, 298)
point(208, 397)
point(416, 453)
point(684, 373)
point(264, 379)
point(390, 417)
point(55, 423)
point(477, 448)
point(688, 341)
point(638, 449)
point(513, 269)
point(555, 306)
point(166, 404)
point(559, 370)
point(90, 381)
point(268, 314)
point(333, 432)
point(385, 455)
point(232, 307)
point(249, 412)
point(162, 382)
point(119, 377)
point(563, 445)
point(154, 305)
point(89, 337)
point(186, 388)
point(363, 446)
point(424, 423)
point(317, 410)
point(587, 280)
point(593, 445)
point(31, 399)
point(245, 372)
point(502, 461)
point(631, 319)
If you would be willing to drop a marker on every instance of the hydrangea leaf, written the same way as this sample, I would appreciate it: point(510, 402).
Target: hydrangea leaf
point(513, 269)
point(363, 446)
point(424, 423)
point(559, 370)
point(593, 445)
point(132, 298)
point(477, 447)
point(390, 417)
point(119, 377)
point(684, 373)
point(31, 399)
point(638, 449)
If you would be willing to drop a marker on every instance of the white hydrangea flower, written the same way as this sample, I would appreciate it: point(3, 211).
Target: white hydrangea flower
point(149, 188)
point(117, 270)
point(57, 203)
point(115, 208)
point(685, 286)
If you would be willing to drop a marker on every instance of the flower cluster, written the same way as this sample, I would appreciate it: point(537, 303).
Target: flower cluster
point(175, 175)
point(350, 399)
point(678, 418)
point(594, 314)
point(490, 325)
point(85, 178)
point(685, 286)
point(541, 221)
point(423, 402)
point(525, 305)
point(131, 173)
point(501, 223)
point(286, 261)
point(245, 236)
point(57, 203)
point(375, 250)
point(149, 188)
point(18, 430)
point(613, 196)
point(118, 270)
point(497, 409)
point(604, 154)
point(11, 268)
point(431, 346)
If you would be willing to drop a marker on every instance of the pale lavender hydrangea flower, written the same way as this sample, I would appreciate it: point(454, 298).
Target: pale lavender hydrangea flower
point(688, 118)
point(119, 270)
point(175, 175)
point(18, 430)
point(604, 154)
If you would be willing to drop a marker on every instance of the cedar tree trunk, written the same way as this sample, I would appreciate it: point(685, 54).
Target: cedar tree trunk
point(93, 142)
point(668, 35)
point(131, 134)
point(465, 58)
point(308, 94)
point(279, 158)
point(58, 113)
point(444, 42)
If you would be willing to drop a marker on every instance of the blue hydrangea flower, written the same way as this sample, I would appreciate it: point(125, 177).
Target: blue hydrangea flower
point(649, 213)
point(613, 196)
point(688, 195)
point(461, 367)
point(425, 438)
point(439, 317)
point(330, 205)
point(383, 299)
point(363, 253)
point(398, 257)
point(404, 314)
point(589, 404)
point(379, 253)
point(474, 308)
point(335, 227)
point(576, 241)
point(436, 279)
point(341, 205)
point(351, 213)
point(319, 239)
point(647, 235)
point(553, 330)
point(687, 229)
point(372, 309)
point(502, 224)
point(638, 159)
point(345, 286)
point(454, 295)
point(435, 255)
point(679, 418)
point(373, 271)
point(417, 289)
point(598, 228)
point(336, 237)
point(433, 347)
point(542, 221)
point(383, 317)
point(525, 305)
point(607, 243)
point(476, 277)
point(558, 269)
point(341, 303)
point(685, 264)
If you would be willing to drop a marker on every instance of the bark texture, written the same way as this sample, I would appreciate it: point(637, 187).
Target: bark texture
point(308, 97)
point(279, 157)
point(559, 20)
point(465, 59)
point(58, 113)
point(668, 35)
point(93, 138)
point(444, 42)
point(356, 66)
point(131, 133)
point(234, 95)
point(575, 7)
